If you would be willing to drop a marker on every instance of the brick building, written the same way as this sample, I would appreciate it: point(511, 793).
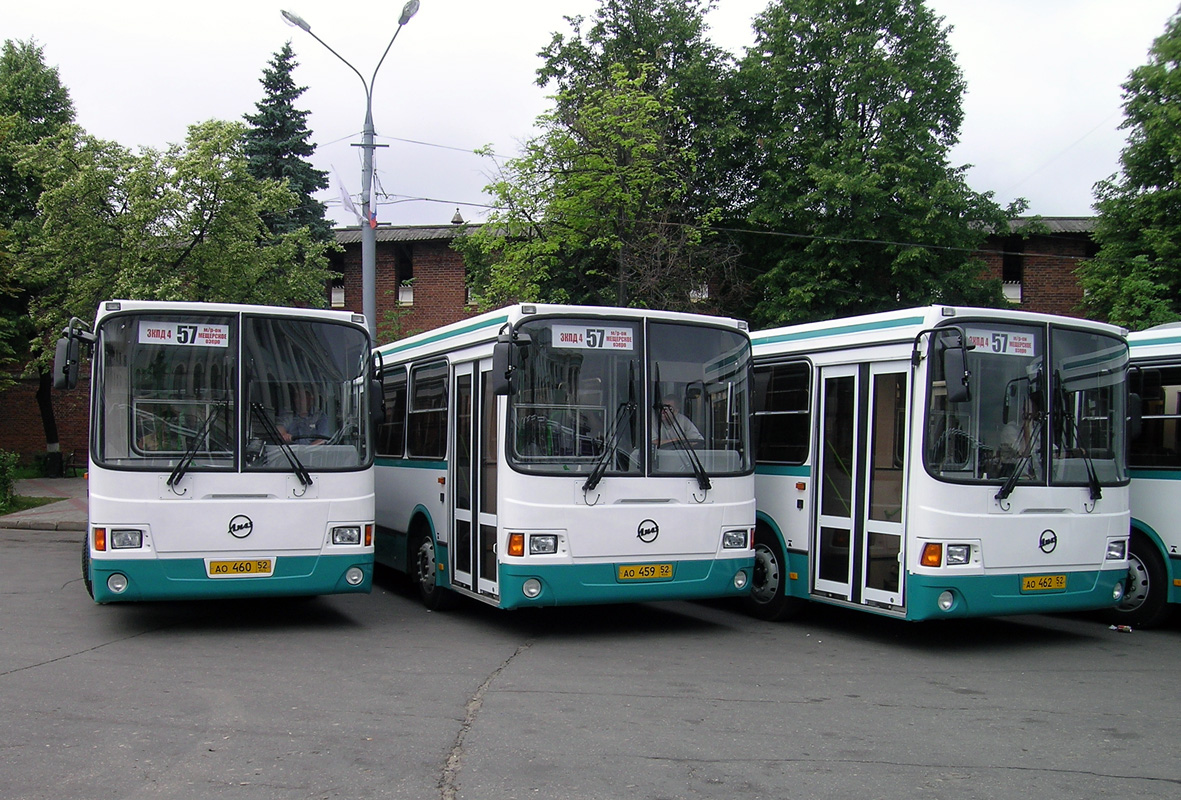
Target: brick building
point(1038, 268)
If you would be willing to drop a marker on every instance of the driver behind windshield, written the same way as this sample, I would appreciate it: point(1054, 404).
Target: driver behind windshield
point(675, 426)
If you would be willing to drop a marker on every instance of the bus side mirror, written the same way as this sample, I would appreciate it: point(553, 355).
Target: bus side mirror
point(956, 375)
point(65, 363)
point(1135, 417)
point(502, 364)
point(376, 404)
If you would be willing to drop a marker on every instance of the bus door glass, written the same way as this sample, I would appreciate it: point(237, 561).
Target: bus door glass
point(838, 473)
point(473, 474)
point(882, 541)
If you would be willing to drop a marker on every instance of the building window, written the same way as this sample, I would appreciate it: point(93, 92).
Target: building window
point(1013, 268)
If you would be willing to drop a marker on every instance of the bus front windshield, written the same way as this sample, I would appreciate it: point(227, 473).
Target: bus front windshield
point(1039, 410)
point(168, 391)
point(586, 399)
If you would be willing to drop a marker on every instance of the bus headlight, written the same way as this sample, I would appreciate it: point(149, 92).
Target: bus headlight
point(1117, 550)
point(1117, 593)
point(354, 575)
point(347, 534)
point(734, 540)
point(126, 539)
point(958, 553)
point(946, 601)
point(543, 544)
point(740, 579)
point(117, 583)
point(531, 588)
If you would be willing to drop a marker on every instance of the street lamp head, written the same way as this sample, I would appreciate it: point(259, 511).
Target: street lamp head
point(408, 11)
point(296, 21)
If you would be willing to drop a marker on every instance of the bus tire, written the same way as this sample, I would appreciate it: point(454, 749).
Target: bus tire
point(424, 572)
point(768, 598)
point(1146, 591)
point(86, 566)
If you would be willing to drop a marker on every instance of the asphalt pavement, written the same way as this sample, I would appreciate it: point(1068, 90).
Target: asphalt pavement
point(67, 514)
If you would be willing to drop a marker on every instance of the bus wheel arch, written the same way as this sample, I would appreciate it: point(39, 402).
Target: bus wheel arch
point(1145, 603)
point(768, 598)
point(422, 567)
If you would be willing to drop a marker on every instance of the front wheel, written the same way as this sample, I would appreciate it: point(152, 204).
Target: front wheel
point(1146, 591)
point(86, 566)
point(424, 572)
point(768, 598)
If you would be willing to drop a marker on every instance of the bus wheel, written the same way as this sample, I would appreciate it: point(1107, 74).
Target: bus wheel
point(1146, 592)
point(768, 598)
point(424, 573)
point(86, 566)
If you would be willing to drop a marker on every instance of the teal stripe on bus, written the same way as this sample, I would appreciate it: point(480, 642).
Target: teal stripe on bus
point(409, 463)
point(438, 337)
point(803, 471)
point(838, 330)
point(1155, 474)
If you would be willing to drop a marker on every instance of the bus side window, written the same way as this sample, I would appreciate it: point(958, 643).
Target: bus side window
point(426, 424)
point(391, 436)
point(1160, 392)
point(782, 412)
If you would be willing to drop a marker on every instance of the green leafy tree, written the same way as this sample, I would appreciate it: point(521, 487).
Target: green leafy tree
point(33, 105)
point(183, 224)
point(1135, 278)
point(594, 211)
point(278, 144)
point(851, 108)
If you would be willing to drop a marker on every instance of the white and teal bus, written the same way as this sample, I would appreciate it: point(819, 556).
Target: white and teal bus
point(1154, 458)
point(940, 462)
point(230, 450)
point(546, 455)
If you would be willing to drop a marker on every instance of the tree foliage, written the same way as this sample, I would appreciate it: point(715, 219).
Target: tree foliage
point(850, 110)
point(613, 202)
point(278, 144)
point(594, 211)
point(183, 224)
point(1135, 278)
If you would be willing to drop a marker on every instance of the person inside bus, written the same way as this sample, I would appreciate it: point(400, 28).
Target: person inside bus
point(675, 426)
point(306, 425)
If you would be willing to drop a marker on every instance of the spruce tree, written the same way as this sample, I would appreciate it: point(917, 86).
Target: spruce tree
point(278, 144)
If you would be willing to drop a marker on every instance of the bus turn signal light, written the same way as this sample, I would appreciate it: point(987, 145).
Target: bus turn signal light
point(932, 554)
point(100, 539)
point(516, 544)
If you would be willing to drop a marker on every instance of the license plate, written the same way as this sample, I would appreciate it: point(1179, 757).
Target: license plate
point(645, 572)
point(1043, 583)
point(245, 568)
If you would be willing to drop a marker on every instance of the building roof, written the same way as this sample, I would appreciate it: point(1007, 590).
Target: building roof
point(403, 233)
point(1055, 224)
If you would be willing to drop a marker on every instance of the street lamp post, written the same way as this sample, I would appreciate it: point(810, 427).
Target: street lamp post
point(368, 226)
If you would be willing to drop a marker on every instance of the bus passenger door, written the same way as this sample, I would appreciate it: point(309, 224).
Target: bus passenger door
point(885, 469)
point(473, 474)
point(838, 472)
point(858, 534)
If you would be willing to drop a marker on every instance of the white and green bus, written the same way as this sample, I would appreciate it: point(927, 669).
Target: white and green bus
point(230, 450)
point(940, 462)
point(546, 455)
point(1154, 458)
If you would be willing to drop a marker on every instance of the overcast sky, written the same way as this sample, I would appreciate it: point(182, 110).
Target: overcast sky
point(1042, 112)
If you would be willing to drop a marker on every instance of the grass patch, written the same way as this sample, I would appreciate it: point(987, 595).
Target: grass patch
point(21, 503)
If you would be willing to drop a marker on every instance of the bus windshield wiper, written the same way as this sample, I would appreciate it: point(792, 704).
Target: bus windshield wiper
point(1071, 426)
point(679, 437)
point(1035, 435)
point(186, 460)
point(272, 430)
point(611, 440)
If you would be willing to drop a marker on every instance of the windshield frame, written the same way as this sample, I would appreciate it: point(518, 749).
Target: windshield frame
point(209, 376)
point(618, 414)
point(1014, 430)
